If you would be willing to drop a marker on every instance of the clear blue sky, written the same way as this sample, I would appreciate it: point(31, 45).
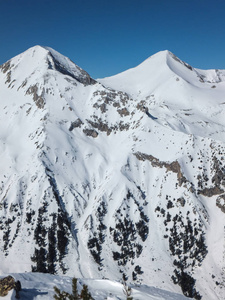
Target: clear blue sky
point(107, 37)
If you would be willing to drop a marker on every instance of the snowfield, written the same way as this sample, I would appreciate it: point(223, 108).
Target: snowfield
point(41, 286)
point(120, 177)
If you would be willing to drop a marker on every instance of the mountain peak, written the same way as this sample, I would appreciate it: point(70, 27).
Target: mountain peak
point(146, 76)
point(165, 56)
point(162, 68)
point(123, 187)
point(38, 60)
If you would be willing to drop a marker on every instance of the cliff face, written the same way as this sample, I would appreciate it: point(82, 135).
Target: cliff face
point(120, 177)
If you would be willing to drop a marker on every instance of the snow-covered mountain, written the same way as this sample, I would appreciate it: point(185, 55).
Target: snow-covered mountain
point(116, 177)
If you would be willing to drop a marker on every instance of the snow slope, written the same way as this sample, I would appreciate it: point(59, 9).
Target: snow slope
point(41, 286)
point(120, 177)
point(179, 96)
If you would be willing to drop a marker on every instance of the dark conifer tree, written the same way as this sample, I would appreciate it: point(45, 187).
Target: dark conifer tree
point(85, 295)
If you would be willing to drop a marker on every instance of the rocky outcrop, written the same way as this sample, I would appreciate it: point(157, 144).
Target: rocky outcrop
point(173, 166)
point(7, 284)
point(76, 124)
point(39, 101)
point(220, 202)
point(90, 132)
point(82, 76)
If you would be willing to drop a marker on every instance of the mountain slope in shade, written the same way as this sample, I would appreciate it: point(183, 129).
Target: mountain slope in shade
point(120, 177)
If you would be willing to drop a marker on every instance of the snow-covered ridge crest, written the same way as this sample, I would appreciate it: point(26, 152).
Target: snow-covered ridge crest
point(159, 68)
point(195, 75)
point(36, 63)
point(177, 95)
point(64, 65)
point(125, 181)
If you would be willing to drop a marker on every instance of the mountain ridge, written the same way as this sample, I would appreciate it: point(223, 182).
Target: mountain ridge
point(165, 56)
point(108, 183)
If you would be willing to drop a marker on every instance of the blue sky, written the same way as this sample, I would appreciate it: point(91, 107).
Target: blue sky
point(107, 37)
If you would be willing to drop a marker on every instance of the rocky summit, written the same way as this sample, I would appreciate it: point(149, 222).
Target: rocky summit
point(120, 177)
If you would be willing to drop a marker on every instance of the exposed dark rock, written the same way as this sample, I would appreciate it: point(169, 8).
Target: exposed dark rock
point(90, 132)
point(181, 201)
point(83, 77)
point(6, 67)
point(39, 100)
point(8, 77)
point(173, 167)
point(218, 182)
point(103, 107)
point(219, 171)
point(7, 284)
point(101, 126)
point(142, 105)
point(75, 124)
point(123, 112)
point(212, 191)
point(116, 104)
point(220, 202)
point(123, 126)
point(181, 62)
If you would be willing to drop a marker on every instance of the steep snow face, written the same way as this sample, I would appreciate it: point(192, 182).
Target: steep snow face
point(98, 182)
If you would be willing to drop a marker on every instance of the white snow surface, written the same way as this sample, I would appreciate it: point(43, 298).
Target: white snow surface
point(179, 96)
point(41, 286)
point(131, 165)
